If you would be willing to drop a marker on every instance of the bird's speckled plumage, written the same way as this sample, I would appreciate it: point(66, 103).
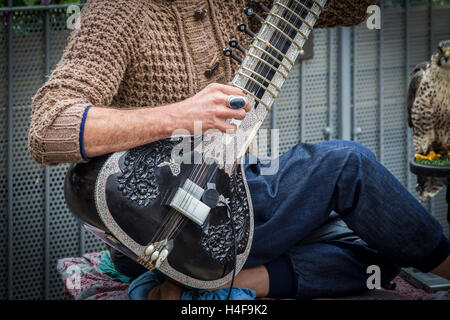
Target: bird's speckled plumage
point(429, 111)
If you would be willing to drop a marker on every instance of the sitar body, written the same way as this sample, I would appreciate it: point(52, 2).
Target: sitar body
point(124, 197)
point(191, 221)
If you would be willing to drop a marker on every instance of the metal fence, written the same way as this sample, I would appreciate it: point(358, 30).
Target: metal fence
point(354, 88)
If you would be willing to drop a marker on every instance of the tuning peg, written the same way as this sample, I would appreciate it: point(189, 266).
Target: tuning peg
point(242, 27)
point(234, 44)
point(252, 14)
point(261, 5)
point(227, 52)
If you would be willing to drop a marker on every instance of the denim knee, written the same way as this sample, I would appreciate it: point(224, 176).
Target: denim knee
point(347, 146)
point(337, 268)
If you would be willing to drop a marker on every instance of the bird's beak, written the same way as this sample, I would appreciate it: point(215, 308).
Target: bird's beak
point(446, 56)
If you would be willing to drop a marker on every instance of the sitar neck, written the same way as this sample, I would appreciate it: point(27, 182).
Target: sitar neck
point(274, 50)
point(267, 63)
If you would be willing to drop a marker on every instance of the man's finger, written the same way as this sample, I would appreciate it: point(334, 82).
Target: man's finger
point(228, 113)
point(229, 90)
point(247, 106)
point(227, 127)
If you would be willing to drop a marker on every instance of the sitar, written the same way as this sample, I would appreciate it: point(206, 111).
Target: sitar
point(182, 205)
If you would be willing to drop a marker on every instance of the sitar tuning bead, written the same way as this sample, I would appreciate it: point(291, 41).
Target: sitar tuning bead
point(261, 5)
point(242, 27)
point(158, 263)
point(149, 250)
point(155, 256)
point(227, 52)
point(162, 256)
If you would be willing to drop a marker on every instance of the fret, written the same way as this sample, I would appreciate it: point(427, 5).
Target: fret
point(285, 35)
point(288, 23)
point(294, 28)
point(268, 61)
point(319, 5)
point(271, 57)
point(296, 15)
point(261, 77)
point(259, 84)
point(268, 64)
point(254, 97)
point(303, 6)
point(268, 44)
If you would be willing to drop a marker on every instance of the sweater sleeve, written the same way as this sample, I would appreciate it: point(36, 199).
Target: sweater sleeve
point(89, 74)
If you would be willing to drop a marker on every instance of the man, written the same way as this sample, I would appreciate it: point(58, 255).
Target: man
point(137, 70)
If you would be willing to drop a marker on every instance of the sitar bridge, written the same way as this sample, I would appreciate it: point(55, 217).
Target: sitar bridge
point(194, 202)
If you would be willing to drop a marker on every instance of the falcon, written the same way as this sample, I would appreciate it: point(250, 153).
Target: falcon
point(429, 113)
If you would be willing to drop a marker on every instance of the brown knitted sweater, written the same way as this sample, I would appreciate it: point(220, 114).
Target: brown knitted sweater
point(142, 53)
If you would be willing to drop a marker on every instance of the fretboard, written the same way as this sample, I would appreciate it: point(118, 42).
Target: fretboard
point(268, 61)
point(274, 50)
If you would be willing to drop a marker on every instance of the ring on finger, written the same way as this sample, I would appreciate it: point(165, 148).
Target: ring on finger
point(236, 102)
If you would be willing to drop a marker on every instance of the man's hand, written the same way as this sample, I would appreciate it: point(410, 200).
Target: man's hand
point(209, 107)
point(111, 130)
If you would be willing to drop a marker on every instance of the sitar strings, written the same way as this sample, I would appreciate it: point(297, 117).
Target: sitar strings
point(267, 70)
point(254, 86)
point(171, 228)
point(162, 232)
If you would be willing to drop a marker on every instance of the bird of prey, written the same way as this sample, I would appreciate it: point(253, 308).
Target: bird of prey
point(429, 112)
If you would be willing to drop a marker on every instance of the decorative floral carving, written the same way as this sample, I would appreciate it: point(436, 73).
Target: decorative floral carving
point(223, 201)
point(137, 181)
point(218, 240)
point(174, 167)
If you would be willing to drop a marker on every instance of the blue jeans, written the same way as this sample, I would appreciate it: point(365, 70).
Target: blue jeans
point(379, 223)
point(329, 212)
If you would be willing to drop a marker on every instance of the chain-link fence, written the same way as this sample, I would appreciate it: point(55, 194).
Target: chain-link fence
point(36, 228)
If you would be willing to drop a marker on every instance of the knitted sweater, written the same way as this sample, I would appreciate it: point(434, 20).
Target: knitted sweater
point(142, 53)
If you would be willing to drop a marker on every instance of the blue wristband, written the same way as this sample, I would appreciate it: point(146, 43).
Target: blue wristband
point(83, 120)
